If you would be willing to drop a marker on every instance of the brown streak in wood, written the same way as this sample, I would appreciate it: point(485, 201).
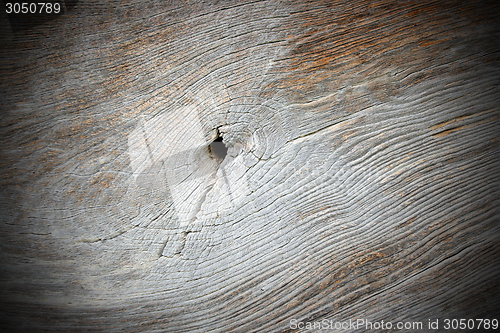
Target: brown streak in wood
point(406, 223)
point(458, 119)
point(451, 130)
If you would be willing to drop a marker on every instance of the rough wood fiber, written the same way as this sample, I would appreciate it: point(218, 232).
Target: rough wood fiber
point(361, 181)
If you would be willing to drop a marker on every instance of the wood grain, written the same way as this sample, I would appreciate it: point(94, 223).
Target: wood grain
point(361, 179)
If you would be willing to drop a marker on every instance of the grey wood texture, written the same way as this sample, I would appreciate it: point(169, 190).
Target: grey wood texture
point(361, 179)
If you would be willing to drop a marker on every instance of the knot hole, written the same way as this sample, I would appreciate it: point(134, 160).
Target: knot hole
point(217, 148)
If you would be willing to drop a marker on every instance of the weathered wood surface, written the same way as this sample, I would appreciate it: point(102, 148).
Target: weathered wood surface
point(362, 178)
